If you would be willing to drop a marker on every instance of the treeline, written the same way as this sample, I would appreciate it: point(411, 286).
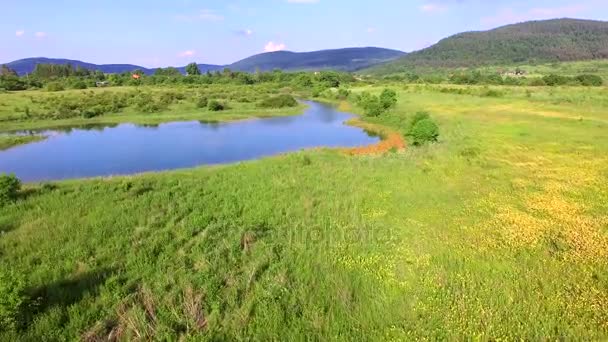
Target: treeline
point(59, 77)
point(479, 78)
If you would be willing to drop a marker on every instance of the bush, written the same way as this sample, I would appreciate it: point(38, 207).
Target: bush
point(556, 80)
point(376, 105)
point(343, 94)
point(12, 299)
point(201, 102)
point(54, 86)
point(216, 106)
point(491, 93)
point(9, 188)
point(590, 80)
point(388, 99)
point(419, 116)
point(280, 101)
point(537, 82)
point(424, 131)
point(79, 85)
point(12, 83)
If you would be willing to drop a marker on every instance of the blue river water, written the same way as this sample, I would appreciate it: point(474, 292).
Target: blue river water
point(128, 148)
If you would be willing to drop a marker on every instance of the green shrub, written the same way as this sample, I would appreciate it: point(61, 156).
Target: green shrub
point(343, 94)
point(216, 106)
point(388, 99)
point(93, 111)
point(79, 85)
point(556, 80)
point(279, 101)
point(590, 80)
point(12, 299)
point(54, 86)
point(12, 83)
point(537, 82)
point(424, 131)
point(376, 105)
point(201, 102)
point(492, 93)
point(418, 116)
point(9, 188)
point(373, 106)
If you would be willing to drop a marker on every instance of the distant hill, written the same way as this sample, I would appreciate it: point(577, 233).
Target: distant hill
point(27, 65)
point(529, 42)
point(348, 59)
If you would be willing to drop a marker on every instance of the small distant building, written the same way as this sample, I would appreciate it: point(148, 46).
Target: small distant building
point(102, 83)
point(136, 76)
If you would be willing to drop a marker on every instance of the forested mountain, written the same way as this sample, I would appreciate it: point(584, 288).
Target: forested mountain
point(348, 59)
point(341, 59)
point(27, 65)
point(533, 41)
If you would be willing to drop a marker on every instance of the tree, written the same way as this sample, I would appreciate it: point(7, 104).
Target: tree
point(6, 71)
point(192, 69)
point(9, 188)
point(424, 131)
point(388, 98)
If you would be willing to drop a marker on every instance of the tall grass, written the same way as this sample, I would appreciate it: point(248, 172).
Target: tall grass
point(497, 231)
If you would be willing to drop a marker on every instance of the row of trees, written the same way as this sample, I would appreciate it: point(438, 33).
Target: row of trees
point(61, 77)
point(481, 78)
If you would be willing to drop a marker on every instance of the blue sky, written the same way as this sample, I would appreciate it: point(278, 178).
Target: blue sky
point(161, 33)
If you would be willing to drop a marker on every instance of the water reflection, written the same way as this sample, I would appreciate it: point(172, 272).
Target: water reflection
point(99, 150)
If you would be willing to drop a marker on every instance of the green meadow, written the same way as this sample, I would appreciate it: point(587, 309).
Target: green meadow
point(40, 109)
point(498, 231)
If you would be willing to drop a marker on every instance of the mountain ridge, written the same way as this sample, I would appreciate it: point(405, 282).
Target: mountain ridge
point(345, 59)
point(534, 41)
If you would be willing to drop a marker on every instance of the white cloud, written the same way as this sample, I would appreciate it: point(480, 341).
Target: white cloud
point(303, 1)
point(19, 33)
point(40, 34)
point(273, 47)
point(433, 8)
point(371, 30)
point(187, 53)
point(203, 15)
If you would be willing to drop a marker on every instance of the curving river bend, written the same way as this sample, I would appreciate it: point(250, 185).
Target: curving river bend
point(128, 148)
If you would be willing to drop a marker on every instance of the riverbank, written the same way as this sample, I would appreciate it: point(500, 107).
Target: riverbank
point(10, 140)
point(27, 110)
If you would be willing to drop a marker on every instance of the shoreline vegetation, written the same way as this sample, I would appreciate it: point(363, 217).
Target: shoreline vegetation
point(10, 140)
point(14, 118)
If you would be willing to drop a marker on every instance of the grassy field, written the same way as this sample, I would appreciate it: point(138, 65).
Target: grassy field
point(498, 231)
point(241, 101)
point(596, 67)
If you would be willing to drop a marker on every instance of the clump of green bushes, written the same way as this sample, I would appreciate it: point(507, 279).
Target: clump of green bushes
point(422, 129)
point(216, 106)
point(587, 80)
point(201, 101)
point(280, 101)
point(376, 105)
point(86, 104)
point(590, 80)
point(9, 189)
point(12, 299)
point(54, 86)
